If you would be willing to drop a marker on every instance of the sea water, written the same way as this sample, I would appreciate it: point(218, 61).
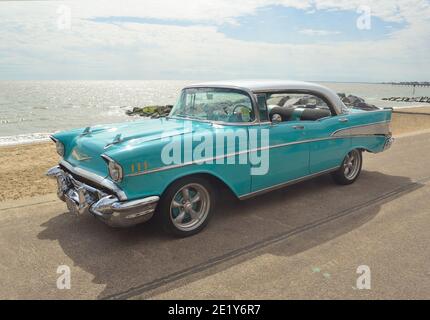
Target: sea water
point(31, 110)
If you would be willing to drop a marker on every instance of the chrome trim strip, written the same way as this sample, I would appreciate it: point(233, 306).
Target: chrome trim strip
point(221, 123)
point(179, 165)
point(96, 178)
point(201, 161)
point(295, 142)
point(107, 158)
point(285, 184)
point(377, 110)
point(374, 128)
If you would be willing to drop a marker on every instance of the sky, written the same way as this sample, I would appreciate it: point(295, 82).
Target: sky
point(319, 40)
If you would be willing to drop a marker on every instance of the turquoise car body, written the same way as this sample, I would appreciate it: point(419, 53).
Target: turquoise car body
point(317, 147)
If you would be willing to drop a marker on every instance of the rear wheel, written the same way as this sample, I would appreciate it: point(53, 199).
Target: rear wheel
point(186, 206)
point(350, 168)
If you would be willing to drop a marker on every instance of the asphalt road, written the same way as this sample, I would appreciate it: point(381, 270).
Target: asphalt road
point(304, 241)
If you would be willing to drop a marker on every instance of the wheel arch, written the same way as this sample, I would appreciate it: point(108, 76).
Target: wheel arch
point(357, 147)
point(212, 178)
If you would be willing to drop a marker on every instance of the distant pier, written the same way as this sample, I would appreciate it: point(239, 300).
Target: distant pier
point(410, 84)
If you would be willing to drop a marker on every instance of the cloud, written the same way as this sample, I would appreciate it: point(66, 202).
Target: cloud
point(32, 47)
point(313, 32)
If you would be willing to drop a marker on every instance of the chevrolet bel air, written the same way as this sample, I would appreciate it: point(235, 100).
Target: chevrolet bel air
point(248, 137)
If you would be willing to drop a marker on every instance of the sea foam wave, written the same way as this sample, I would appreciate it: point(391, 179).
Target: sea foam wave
point(24, 138)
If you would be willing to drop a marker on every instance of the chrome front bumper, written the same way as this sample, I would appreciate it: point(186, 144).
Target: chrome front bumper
point(82, 198)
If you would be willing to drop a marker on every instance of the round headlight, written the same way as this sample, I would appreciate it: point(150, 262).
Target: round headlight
point(115, 170)
point(60, 148)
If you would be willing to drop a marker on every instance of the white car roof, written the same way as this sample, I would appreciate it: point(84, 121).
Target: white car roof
point(256, 86)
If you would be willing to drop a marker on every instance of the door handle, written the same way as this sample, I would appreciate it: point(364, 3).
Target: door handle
point(343, 120)
point(298, 127)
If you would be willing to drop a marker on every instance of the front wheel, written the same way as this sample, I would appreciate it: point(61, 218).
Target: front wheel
point(350, 168)
point(186, 206)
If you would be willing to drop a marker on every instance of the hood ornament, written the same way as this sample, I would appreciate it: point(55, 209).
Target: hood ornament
point(116, 140)
point(86, 131)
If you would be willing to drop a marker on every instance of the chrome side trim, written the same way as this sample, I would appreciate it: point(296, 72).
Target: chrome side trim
point(96, 178)
point(107, 158)
point(201, 161)
point(376, 128)
point(285, 184)
point(221, 123)
point(294, 143)
point(378, 110)
point(179, 165)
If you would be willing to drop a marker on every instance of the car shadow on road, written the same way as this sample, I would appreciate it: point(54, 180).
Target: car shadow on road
point(142, 258)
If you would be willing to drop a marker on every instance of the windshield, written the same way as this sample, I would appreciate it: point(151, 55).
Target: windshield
point(214, 104)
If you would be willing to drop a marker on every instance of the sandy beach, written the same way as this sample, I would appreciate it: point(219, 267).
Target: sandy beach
point(23, 167)
point(23, 170)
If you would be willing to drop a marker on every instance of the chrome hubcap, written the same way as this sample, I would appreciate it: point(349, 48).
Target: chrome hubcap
point(351, 164)
point(190, 207)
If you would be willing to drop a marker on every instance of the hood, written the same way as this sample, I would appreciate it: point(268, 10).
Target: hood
point(84, 147)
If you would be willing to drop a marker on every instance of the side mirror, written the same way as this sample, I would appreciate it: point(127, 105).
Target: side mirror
point(276, 118)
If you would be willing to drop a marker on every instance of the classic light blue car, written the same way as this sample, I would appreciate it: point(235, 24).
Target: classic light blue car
point(250, 137)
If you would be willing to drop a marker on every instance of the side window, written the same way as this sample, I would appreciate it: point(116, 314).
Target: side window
point(297, 107)
point(262, 107)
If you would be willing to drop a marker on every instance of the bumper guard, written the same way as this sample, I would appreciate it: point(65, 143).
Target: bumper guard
point(81, 198)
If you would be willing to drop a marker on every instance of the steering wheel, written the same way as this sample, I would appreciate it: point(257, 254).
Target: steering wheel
point(238, 115)
point(225, 105)
point(238, 106)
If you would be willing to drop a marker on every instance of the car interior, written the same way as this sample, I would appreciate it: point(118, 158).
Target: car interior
point(296, 107)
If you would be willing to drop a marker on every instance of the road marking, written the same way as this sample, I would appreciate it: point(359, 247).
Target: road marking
point(157, 283)
point(27, 205)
